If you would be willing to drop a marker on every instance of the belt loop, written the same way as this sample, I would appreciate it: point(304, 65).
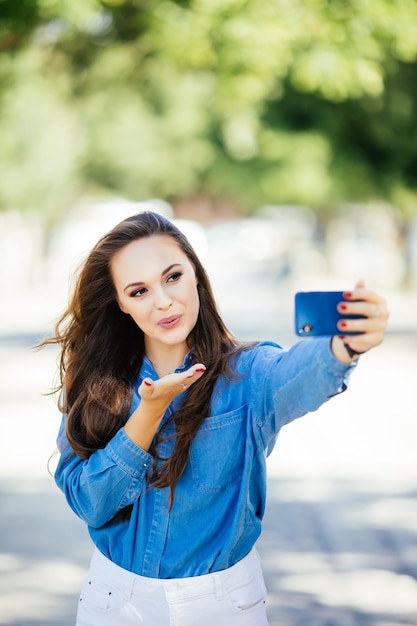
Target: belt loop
point(218, 586)
point(131, 586)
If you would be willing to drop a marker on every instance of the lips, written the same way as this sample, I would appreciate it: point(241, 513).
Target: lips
point(170, 322)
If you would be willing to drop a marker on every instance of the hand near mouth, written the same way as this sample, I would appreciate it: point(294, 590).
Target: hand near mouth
point(156, 396)
point(165, 389)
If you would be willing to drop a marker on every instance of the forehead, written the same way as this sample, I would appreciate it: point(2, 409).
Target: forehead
point(147, 255)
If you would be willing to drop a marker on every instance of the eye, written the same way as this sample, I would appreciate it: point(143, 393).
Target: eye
point(172, 278)
point(138, 292)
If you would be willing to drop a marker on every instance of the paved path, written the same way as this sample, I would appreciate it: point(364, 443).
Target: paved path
point(340, 540)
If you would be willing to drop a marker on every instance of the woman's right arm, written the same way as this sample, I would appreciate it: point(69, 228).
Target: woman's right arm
point(109, 480)
point(114, 477)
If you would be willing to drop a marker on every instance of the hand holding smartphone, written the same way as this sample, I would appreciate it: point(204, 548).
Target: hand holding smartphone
point(316, 313)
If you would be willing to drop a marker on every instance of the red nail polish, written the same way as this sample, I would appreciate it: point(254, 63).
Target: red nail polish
point(200, 369)
point(147, 383)
point(342, 324)
point(347, 294)
point(342, 307)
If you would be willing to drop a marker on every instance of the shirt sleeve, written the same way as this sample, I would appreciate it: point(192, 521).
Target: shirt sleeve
point(109, 480)
point(289, 384)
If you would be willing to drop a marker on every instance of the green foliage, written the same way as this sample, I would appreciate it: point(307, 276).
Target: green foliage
point(17, 20)
point(266, 101)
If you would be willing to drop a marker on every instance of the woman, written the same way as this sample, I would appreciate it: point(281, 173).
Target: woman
point(168, 420)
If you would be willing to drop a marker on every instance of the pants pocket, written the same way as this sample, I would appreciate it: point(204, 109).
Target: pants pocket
point(249, 595)
point(97, 596)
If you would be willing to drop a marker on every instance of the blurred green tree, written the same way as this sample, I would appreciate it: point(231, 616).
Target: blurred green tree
point(282, 101)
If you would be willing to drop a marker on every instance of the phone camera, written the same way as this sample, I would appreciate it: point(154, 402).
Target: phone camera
point(307, 328)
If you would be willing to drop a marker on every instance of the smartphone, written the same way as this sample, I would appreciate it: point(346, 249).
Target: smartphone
point(316, 313)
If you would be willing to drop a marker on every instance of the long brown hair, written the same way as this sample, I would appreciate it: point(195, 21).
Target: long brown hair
point(102, 350)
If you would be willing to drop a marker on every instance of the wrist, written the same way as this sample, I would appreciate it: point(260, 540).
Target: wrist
point(351, 352)
point(342, 351)
point(142, 425)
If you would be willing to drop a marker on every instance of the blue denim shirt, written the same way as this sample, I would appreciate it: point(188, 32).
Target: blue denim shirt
point(220, 499)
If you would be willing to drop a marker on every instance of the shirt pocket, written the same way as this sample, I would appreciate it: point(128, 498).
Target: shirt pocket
point(218, 451)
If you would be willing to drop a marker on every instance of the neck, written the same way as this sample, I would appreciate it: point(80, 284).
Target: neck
point(166, 362)
point(160, 370)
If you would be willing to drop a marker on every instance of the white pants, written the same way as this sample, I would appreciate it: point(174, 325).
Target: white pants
point(113, 596)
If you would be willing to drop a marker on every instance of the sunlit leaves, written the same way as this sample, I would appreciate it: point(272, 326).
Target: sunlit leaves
point(39, 143)
point(305, 101)
point(336, 75)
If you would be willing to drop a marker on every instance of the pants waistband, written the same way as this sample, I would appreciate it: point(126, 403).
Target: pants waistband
point(131, 584)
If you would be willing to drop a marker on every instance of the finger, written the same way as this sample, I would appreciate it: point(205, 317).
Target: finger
point(146, 388)
point(361, 294)
point(191, 375)
point(366, 295)
point(364, 307)
point(363, 343)
point(196, 370)
point(362, 325)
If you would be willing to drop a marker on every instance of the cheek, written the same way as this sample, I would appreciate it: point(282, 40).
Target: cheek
point(125, 304)
point(122, 306)
point(196, 298)
point(137, 313)
point(142, 321)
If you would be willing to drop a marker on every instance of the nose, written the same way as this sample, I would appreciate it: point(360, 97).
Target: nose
point(162, 300)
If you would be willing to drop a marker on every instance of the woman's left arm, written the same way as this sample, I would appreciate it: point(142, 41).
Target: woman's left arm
point(289, 384)
point(371, 327)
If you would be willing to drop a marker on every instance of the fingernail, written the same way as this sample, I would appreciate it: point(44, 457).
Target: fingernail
point(197, 371)
point(347, 294)
point(147, 383)
point(342, 307)
point(342, 324)
point(342, 337)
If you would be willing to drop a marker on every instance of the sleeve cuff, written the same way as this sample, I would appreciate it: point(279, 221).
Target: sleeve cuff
point(128, 456)
point(332, 365)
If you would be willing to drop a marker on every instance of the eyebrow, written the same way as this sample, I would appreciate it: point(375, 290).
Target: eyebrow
point(165, 271)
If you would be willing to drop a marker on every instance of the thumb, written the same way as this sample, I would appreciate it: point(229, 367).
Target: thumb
point(146, 388)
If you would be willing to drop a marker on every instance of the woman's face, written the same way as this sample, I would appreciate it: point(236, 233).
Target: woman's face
point(156, 285)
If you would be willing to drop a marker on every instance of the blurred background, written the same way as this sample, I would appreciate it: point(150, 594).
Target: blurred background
point(281, 137)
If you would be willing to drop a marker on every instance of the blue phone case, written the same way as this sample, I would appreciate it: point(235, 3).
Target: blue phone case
point(316, 313)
